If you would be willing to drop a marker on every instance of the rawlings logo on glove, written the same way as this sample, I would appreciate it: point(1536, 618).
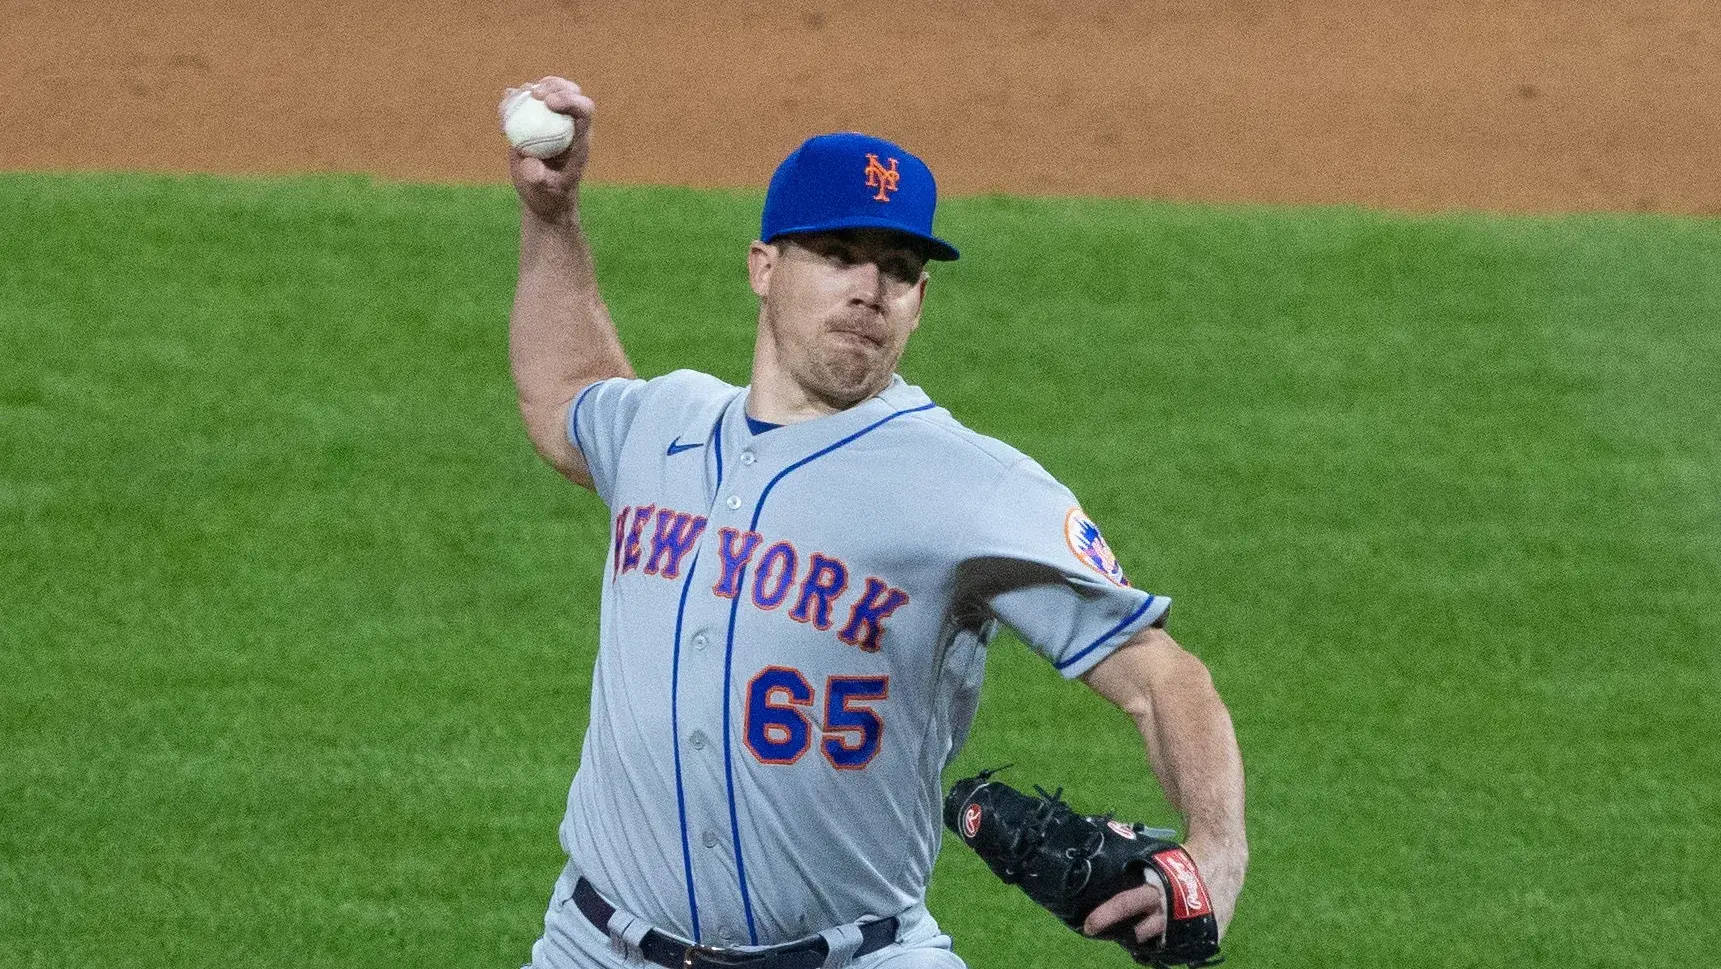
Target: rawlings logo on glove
point(1069, 863)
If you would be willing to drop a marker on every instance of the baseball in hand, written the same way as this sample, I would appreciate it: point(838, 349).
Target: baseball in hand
point(533, 128)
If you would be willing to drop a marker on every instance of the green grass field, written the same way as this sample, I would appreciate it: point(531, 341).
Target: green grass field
point(295, 632)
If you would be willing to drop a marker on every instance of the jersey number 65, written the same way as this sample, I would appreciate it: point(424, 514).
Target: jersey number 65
point(779, 731)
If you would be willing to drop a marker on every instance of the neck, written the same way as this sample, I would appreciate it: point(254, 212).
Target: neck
point(780, 401)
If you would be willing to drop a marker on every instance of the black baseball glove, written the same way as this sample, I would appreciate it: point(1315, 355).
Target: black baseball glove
point(1069, 863)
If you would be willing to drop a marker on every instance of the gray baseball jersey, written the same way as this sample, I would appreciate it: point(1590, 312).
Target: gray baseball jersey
point(792, 644)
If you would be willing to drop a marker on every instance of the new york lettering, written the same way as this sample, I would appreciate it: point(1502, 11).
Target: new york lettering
point(770, 575)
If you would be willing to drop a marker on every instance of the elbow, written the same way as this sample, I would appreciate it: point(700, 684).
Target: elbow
point(543, 423)
point(1180, 681)
point(1168, 668)
point(1178, 668)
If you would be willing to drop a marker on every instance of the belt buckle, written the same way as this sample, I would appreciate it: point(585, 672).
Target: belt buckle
point(713, 954)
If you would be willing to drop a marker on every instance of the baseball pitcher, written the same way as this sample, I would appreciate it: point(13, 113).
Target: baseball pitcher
point(802, 579)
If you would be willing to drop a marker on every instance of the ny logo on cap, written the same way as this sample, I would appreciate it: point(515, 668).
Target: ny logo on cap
point(882, 178)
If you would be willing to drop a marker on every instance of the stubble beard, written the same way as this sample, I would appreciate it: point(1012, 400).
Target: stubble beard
point(829, 369)
point(852, 375)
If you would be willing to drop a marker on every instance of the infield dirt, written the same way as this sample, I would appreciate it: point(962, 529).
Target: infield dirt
point(1416, 104)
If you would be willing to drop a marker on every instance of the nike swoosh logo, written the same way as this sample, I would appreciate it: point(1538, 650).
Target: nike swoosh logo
point(676, 447)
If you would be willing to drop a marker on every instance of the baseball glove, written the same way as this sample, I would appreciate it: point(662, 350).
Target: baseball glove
point(1069, 863)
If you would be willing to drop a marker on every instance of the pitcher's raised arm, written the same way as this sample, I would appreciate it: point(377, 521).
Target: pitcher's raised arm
point(560, 336)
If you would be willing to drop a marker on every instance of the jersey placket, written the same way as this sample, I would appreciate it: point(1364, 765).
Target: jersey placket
point(709, 830)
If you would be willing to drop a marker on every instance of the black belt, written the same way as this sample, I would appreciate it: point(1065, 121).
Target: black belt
point(675, 954)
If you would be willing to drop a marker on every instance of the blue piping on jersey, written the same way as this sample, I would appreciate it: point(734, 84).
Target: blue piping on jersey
point(1113, 631)
point(759, 509)
point(675, 697)
point(729, 761)
point(716, 440)
point(675, 732)
point(729, 656)
point(573, 420)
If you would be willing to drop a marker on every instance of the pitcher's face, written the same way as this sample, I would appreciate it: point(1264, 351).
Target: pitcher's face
point(838, 308)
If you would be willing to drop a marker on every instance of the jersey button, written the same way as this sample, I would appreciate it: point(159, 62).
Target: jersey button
point(697, 740)
point(699, 641)
point(710, 839)
point(734, 502)
point(747, 457)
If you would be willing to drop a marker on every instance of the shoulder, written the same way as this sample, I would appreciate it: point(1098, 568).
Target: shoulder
point(684, 402)
point(684, 392)
point(689, 385)
point(960, 445)
point(622, 403)
point(995, 480)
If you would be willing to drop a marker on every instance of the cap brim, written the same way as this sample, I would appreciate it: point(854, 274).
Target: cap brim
point(935, 247)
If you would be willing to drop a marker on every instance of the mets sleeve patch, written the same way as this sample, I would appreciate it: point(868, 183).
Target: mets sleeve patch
point(1090, 547)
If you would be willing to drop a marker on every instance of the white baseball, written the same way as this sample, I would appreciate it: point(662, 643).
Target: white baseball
point(533, 128)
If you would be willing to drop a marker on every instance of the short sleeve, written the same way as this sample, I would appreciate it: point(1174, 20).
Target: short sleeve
point(609, 414)
point(598, 425)
point(1039, 564)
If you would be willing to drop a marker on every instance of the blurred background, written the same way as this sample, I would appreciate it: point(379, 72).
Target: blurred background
point(1531, 105)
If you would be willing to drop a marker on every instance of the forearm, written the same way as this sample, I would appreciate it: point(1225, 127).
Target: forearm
point(560, 336)
point(1193, 750)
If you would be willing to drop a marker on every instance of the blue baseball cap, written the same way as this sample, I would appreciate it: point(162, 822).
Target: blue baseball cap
point(853, 181)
